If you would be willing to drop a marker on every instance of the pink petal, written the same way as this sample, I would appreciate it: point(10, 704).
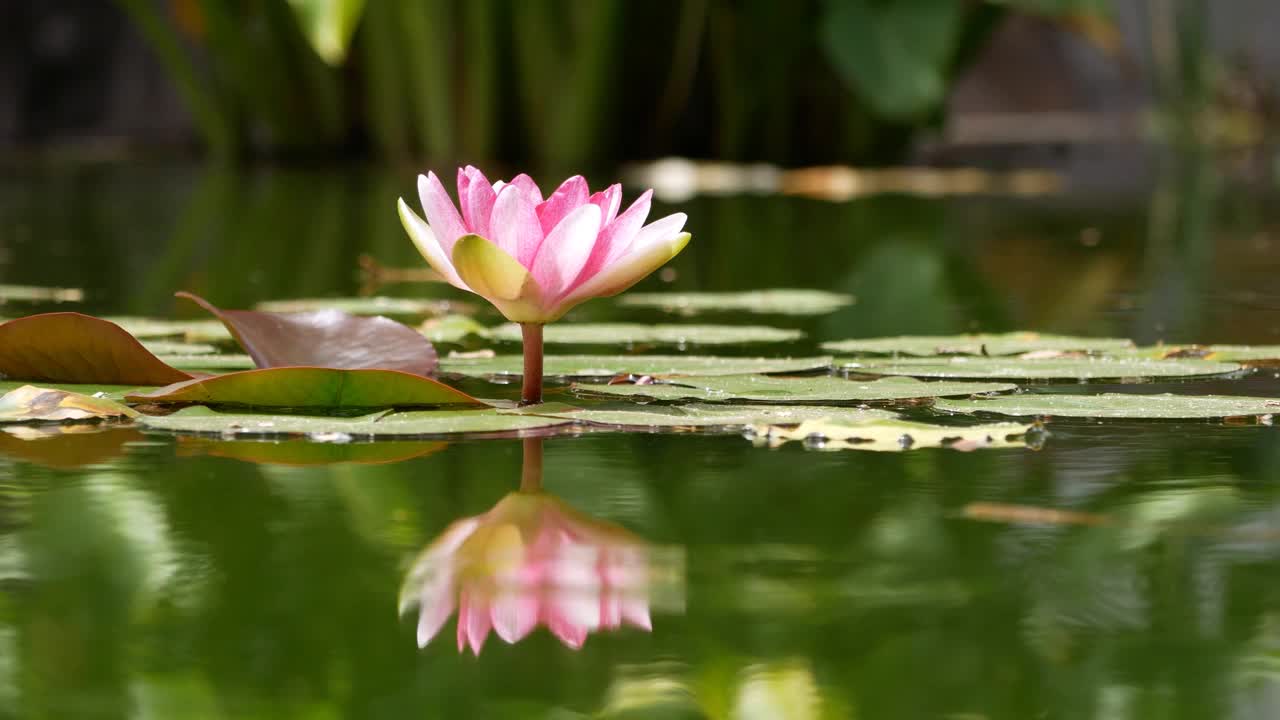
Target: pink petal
point(615, 238)
point(476, 196)
point(635, 610)
point(610, 610)
point(656, 232)
point(514, 224)
point(571, 635)
point(473, 621)
point(429, 245)
point(515, 613)
point(526, 183)
point(565, 251)
point(570, 195)
point(436, 605)
point(442, 216)
point(609, 200)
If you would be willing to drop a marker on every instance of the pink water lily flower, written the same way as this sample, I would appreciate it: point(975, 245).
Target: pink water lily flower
point(532, 560)
point(535, 258)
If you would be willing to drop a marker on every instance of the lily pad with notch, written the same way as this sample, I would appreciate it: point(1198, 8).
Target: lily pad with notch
point(813, 390)
point(780, 301)
point(310, 387)
point(1056, 368)
point(417, 423)
point(894, 435)
point(607, 366)
point(1117, 405)
point(993, 344)
point(641, 334)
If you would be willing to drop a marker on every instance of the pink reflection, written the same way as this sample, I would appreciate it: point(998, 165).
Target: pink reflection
point(532, 560)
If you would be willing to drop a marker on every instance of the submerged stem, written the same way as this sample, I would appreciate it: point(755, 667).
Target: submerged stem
point(531, 390)
point(531, 467)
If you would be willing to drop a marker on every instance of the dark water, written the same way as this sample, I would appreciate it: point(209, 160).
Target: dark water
point(164, 580)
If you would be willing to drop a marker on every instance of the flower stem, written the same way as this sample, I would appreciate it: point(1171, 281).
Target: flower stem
point(531, 391)
point(531, 467)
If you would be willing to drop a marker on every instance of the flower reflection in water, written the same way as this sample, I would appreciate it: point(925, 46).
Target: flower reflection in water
point(533, 560)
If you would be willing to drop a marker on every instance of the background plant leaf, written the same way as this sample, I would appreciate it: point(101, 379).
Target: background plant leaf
point(328, 25)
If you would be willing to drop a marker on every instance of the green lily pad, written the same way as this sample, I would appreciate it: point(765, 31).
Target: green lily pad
point(31, 404)
point(763, 302)
point(892, 435)
point(1013, 343)
point(419, 423)
point(110, 392)
point(171, 347)
point(452, 329)
point(1061, 368)
point(308, 387)
point(641, 334)
point(223, 361)
point(667, 416)
point(1117, 405)
point(821, 389)
point(583, 366)
point(192, 331)
point(408, 308)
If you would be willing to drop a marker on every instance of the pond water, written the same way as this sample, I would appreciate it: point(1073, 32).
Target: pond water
point(1125, 569)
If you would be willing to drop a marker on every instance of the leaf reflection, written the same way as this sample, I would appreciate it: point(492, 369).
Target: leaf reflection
point(534, 560)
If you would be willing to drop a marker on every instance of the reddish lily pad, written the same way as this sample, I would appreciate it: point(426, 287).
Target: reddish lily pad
point(311, 387)
point(75, 348)
point(326, 338)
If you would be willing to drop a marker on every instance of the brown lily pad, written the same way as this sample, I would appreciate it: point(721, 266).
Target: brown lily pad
point(311, 387)
point(31, 404)
point(74, 348)
point(325, 338)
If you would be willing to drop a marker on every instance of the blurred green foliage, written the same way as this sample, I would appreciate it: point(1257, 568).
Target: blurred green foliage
point(559, 84)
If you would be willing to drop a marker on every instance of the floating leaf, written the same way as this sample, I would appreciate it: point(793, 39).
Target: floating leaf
point(111, 392)
point(641, 334)
point(1072, 368)
point(1013, 343)
point(820, 389)
point(30, 404)
point(409, 308)
point(219, 362)
point(192, 331)
point(66, 446)
point(764, 302)
point(309, 387)
point(892, 435)
point(711, 415)
point(583, 366)
point(32, 293)
point(170, 347)
point(326, 338)
point(1246, 354)
point(303, 452)
point(1117, 405)
point(452, 329)
point(70, 347)
point(420, 423)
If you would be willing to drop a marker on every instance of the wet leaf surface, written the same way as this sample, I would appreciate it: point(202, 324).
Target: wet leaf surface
point(31, 404)
point(1057, 368)
point(1013, 343)
point(892, 435)
point(70, 347)
point(303, 453)
point(1117, 405)
point(820, 389)
point(641, 334)
point(667, 416)
point(66, 446)
point(406, 308)
point(326, 338)
point(306, 387)
point(762, 302)
point(419, 423)
point(654, 365)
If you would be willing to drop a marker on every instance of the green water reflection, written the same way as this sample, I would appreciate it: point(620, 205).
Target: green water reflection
point(142, 576)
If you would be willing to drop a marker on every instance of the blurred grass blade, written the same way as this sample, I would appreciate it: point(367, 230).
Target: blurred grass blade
point(328, 25)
